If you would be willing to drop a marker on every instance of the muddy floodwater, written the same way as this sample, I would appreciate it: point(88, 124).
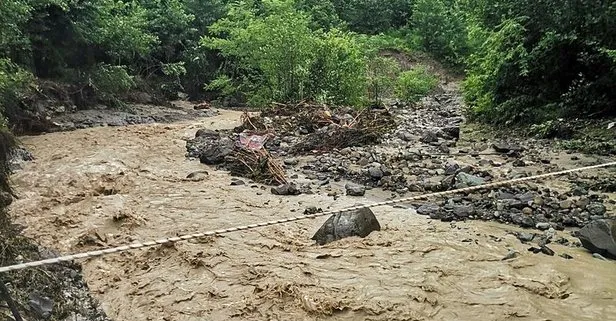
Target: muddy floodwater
point(109, 186)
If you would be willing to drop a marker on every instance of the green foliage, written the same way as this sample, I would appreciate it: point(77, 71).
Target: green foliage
point(15, 84)
point(542, 60)
point(337, 74)
point(120, 27)
point(373, 16)
point(382, 75)
point(414, 84)
point(112, 79)
point(322, 13)
point(501, 48)
point(440, 25)
point(402, 40)
point(273, 55)
point(13, 16)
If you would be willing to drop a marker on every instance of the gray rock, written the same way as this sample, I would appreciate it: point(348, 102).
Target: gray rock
point(599, 256)
point(502, 147)
point(452, 131)
point(6, 199)
point(463, 210)
point(578, 191)
point(428, 209)
point(354, 189)
point(452, 169)
point(565, 204)
point(525, 237)
point(355, 223)
point(429, 137)
point(466, 180)
point(510, 255)
point(216, 152)
point(505, 196)
point(286, 189)
point(41, 305)
point(197, 176)
point(599, 237)
point(596, 209)
point(207, 133)
point(543, 226)
point(291, 161)
point(375, 172)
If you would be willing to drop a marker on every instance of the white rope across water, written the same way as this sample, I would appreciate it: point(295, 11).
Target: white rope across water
point(138, 245)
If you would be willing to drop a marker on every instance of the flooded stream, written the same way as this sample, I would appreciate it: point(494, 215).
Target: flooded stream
point(108, 186)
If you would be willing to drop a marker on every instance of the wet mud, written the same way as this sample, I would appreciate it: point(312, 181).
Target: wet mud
point(108, 186)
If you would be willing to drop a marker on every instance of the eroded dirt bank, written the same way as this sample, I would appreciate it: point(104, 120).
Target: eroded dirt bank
point(111, 185)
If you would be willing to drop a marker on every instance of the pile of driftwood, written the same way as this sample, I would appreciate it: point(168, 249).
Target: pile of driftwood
point(256, 164)
point(313, 127)
point(320, 127)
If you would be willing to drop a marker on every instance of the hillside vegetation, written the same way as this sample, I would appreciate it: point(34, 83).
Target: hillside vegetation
point(524, 61)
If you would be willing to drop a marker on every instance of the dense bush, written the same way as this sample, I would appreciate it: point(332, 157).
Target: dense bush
point(273, 54)
point(414, 84)
point(15, 83)
point(543, 59)
point(441, 28)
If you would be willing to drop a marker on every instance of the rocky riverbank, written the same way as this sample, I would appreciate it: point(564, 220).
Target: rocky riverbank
point(423, 148)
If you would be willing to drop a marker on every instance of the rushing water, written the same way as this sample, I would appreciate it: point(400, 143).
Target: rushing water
point(113, 185)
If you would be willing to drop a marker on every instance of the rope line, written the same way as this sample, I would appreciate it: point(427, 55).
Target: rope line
point(138, 245)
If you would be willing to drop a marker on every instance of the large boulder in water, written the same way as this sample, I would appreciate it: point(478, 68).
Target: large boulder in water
point(599, 236)
point(353, 223)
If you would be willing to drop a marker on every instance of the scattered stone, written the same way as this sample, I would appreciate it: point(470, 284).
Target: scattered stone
point(452, 169)
point(565, 204)
point(429, 137)
point(6, 199)
point(286, 189)
point(525, 237)
point(512, 254)
point(41, 305)
point(543, 226)
point(518, 163)
point(312, 210)
point(542, 249)
point(599, 256)
point(347, 224)
point(547, 251)
point(596, 209)
point(506, 148)
point(466, 180)
point(376, 172)
point(197, 176)
point(463, 210)
point(354, 189)
point(291, 161)
point(428, 209)
point(599, 237)
point(237, 182)
point(452, 131)
point(566, 256)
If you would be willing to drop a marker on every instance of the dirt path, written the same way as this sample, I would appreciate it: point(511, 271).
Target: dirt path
point(112, 185)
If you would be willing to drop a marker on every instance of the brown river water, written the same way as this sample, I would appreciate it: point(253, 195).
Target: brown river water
point(108, 186)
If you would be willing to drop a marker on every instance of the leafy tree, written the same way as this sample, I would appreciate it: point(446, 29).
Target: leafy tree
point(441, 28)
point(414, 84)
point(273, 54)
point(543, 59)
point(373, 16)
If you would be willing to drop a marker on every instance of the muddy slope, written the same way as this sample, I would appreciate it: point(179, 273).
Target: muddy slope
point(108, 186)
